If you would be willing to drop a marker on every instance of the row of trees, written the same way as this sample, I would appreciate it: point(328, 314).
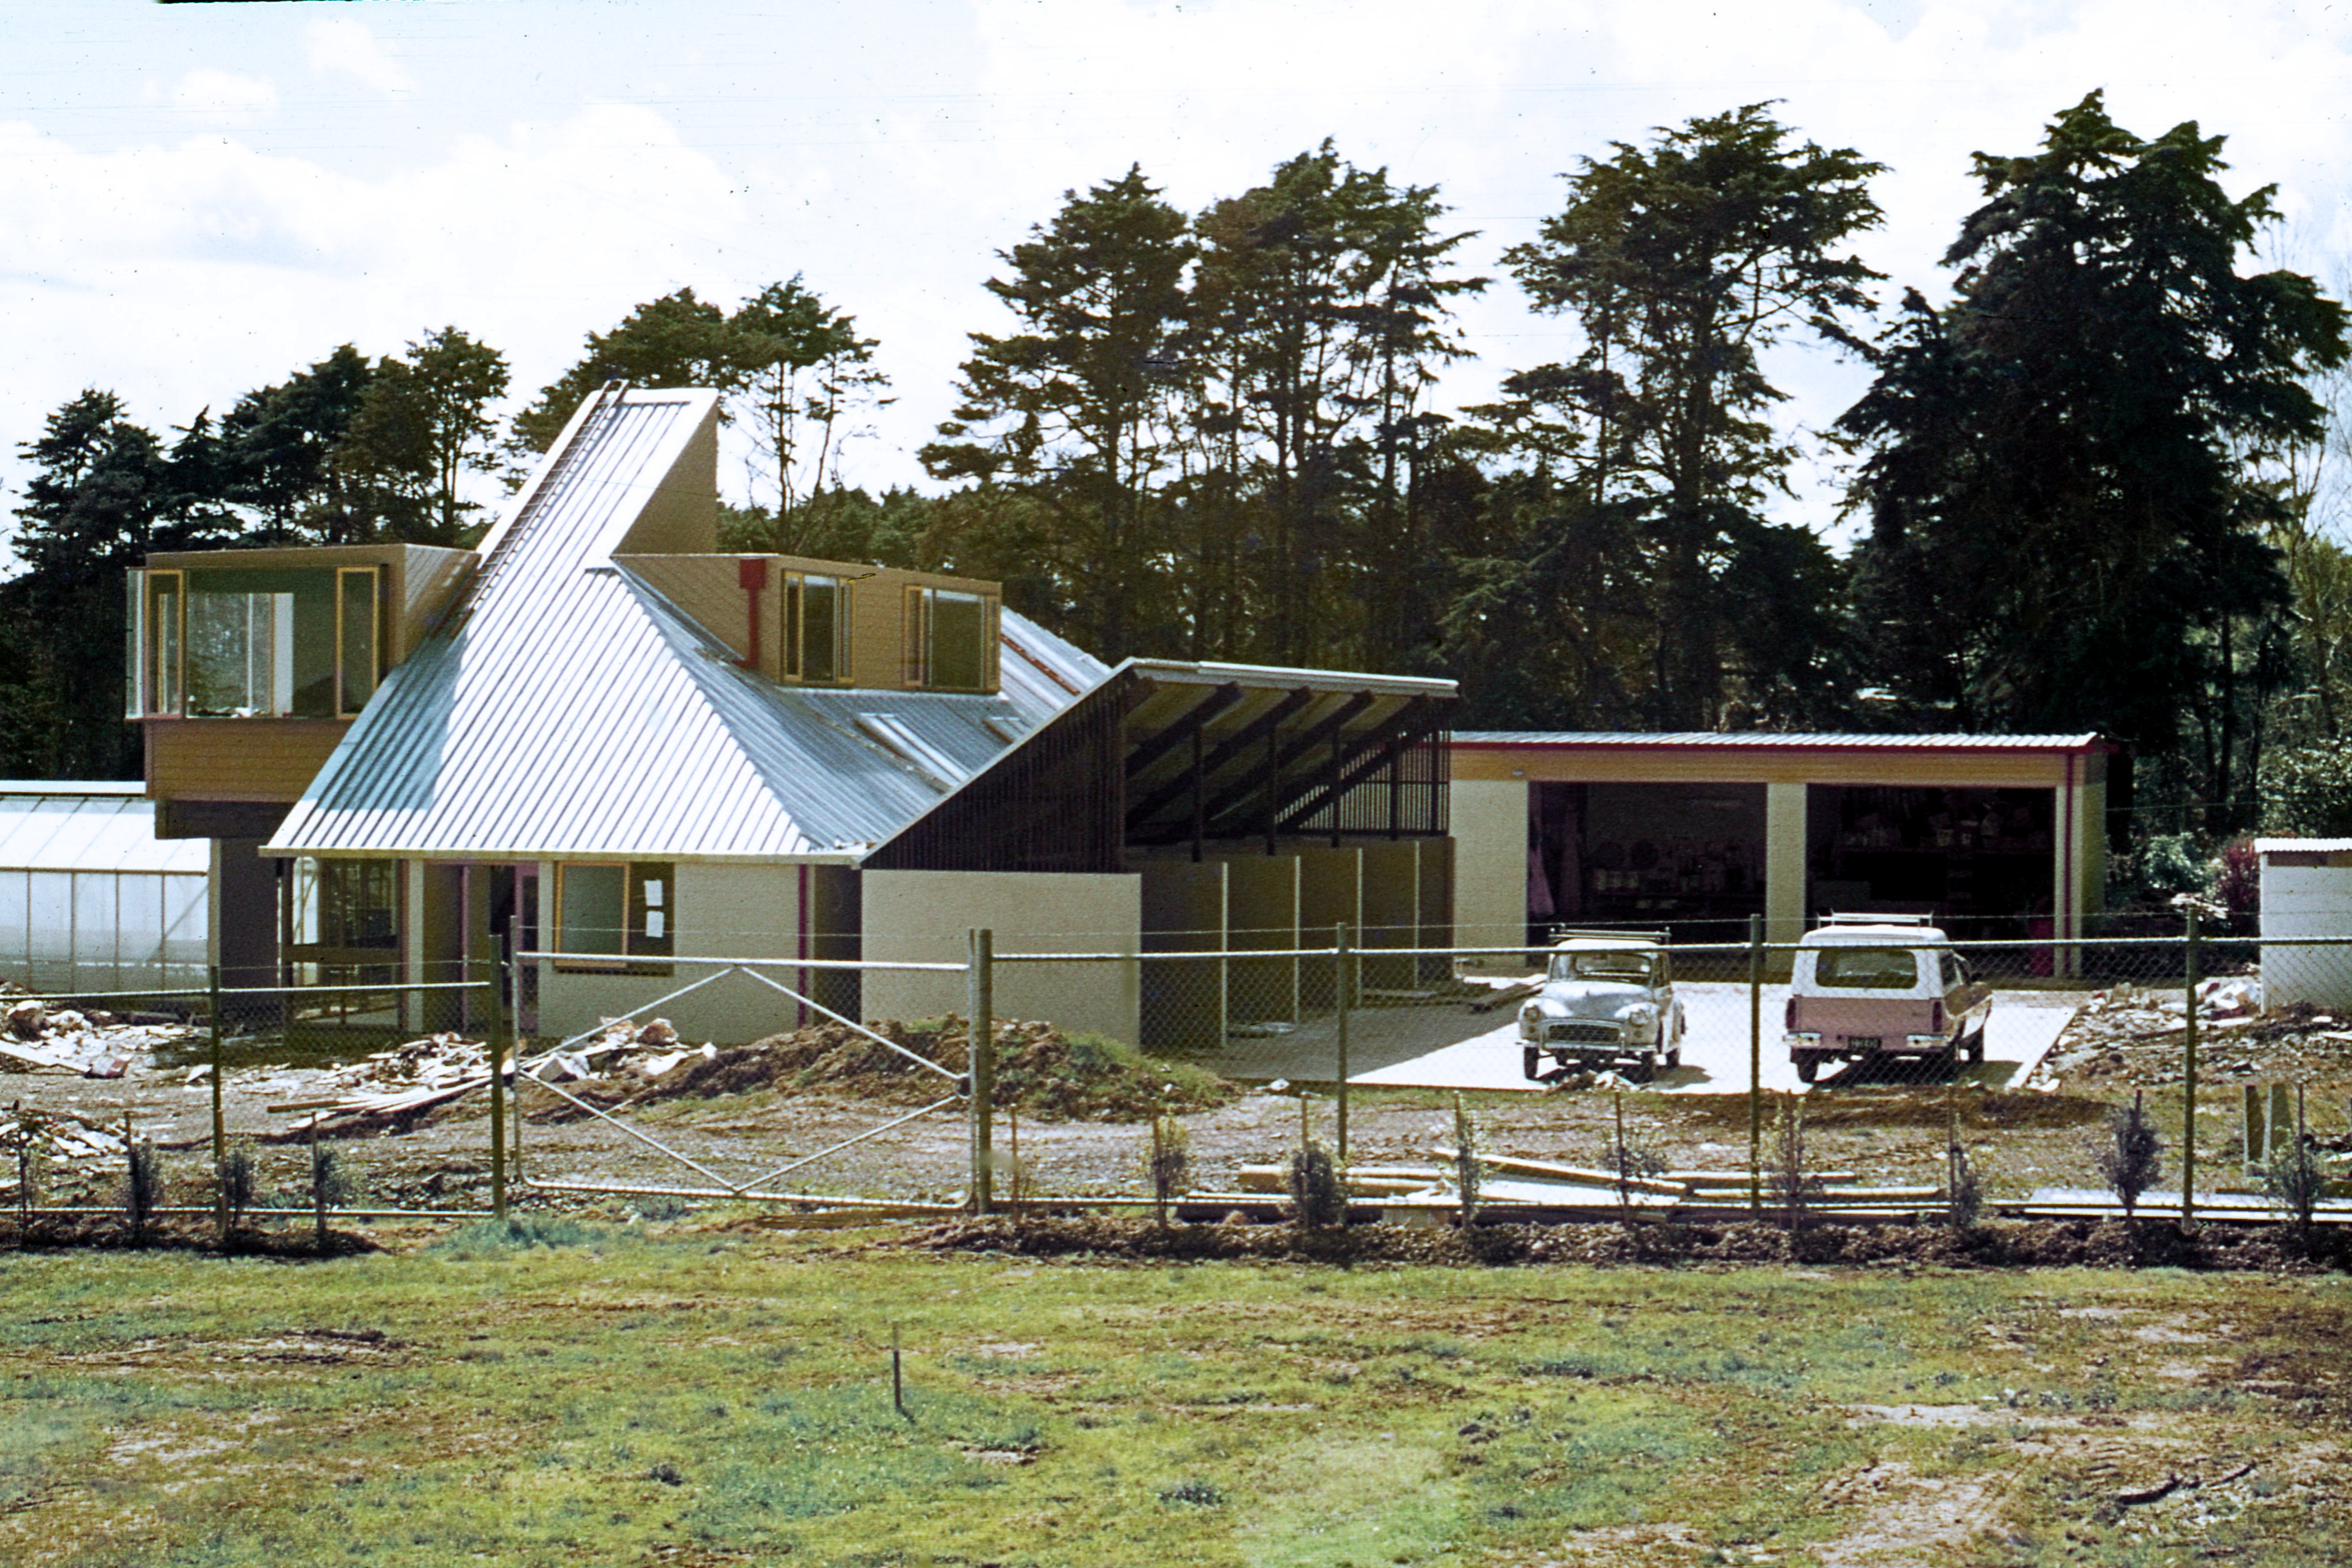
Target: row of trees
point(2094, 480)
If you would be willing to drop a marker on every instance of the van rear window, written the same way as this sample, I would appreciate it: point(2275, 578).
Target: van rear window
point(1867, 968)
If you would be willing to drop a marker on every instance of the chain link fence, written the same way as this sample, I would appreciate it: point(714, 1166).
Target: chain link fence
point(2038, 1062)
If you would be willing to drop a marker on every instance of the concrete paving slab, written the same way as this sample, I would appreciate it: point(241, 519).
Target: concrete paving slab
point(1452, 1047)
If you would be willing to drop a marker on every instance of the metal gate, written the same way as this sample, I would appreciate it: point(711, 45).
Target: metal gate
point(957, 1087)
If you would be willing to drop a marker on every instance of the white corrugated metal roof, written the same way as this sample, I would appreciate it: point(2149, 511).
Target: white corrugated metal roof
point(566, 709)
point(89, 827)
point(2302, 845)
point(1765, 738)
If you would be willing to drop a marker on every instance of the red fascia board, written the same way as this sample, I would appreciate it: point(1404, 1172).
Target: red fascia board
point(2105, 747)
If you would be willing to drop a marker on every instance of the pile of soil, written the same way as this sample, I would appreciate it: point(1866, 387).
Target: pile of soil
point(1040, 1070)
point(2021, 1244)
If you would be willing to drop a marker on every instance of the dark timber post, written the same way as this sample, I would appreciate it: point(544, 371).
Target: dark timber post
point(1273, 782)
point(1200, 795)
point(220, 1127)
point(1756, 1063)
point(220, 1124)
point(982, 1034)
point(2188, 1087)
point(1339, 1010)
point(1333, 788)
point(497, 1089)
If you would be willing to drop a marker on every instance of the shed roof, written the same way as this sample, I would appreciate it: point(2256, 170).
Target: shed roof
point(2302, 845)
point(565, 709)
point(56, 826)
point(1774, 740)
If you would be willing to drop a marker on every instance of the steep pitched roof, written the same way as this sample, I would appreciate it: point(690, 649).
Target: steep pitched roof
point(564, 709)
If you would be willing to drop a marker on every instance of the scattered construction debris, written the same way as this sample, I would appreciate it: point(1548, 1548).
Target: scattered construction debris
point(2129, 1037)
point(34, 1038)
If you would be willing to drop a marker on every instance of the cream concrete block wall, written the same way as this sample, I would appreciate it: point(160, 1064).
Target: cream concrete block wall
point(722, 911)
point(1785, 867)
point(923, 916)
point(1489, 818)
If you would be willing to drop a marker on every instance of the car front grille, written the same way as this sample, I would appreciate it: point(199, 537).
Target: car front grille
point(1579, 1034)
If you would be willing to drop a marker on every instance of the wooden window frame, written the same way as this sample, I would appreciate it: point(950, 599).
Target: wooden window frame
point(914, 636)
point(921, 629)
point(640, 954)
point(152, 624)
point(789, 658)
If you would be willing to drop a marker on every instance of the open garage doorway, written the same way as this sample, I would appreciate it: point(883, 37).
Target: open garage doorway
point(1687, 857)
point(1981, 861)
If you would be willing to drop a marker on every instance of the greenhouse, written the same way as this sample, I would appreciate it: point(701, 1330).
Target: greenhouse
point(90, 899)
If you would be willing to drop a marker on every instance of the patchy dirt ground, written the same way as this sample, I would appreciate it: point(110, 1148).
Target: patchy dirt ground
point(807, 1112)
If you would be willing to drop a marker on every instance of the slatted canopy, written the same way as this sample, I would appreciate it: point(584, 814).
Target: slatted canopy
point(1165, 754)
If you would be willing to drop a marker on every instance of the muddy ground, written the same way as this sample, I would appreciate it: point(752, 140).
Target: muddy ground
point(736, 1127)
point(440, 1159)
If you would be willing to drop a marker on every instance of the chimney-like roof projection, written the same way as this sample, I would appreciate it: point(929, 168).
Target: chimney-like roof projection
point(563, 708)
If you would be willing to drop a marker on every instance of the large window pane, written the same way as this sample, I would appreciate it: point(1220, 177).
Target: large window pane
point(261, 642)
point(591, 903)
point(358, 637)
point(820, 629)
point(956, 631)
point(165, 628)
point(346, 904)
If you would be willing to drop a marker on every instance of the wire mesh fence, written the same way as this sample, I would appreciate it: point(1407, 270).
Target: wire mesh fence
point(2005, 1072)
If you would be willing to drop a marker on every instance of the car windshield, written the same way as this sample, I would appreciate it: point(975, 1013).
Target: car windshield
point(1630, 968)
point(1867, 968)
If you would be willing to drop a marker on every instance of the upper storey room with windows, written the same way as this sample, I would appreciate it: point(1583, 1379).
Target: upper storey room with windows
point(246, 666)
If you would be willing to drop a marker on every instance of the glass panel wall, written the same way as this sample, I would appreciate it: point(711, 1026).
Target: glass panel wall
point(246, 644)
point(357, 638)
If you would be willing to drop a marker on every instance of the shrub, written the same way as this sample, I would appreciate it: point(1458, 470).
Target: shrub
point(1632, 1161)
point(2238, 883)
point(2131, 1156)
point(1963, 1199)
point(1466, 1158)
point(1318, 1193)
point(1792, 1187)
point(2308, 790)
point(240, 1178)
point(2295, 1180)
point(142, 1185)
point(1168, 1162)
point(330, 1185)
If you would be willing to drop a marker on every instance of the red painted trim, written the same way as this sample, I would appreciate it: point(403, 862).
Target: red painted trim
point(2103, 747)
point(751, 573)
point(2066, 861)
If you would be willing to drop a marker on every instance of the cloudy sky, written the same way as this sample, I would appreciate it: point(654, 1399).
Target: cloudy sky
point(197, 199)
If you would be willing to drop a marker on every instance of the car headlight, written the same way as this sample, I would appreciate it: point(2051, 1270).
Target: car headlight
point(1641, 1018)
point(1530, 1018)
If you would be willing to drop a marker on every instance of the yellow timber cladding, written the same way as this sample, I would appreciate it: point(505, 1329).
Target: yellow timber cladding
point(800, 621)
point(1995, 835)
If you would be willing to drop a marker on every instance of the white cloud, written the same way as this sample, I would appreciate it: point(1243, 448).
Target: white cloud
point(184, 275)
point(225, 98)
point(344, 46)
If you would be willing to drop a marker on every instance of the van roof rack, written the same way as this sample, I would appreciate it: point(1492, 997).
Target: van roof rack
point(1591, 933)
point(1840, 918)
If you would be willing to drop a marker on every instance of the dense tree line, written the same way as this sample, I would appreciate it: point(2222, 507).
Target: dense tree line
point(2096, 486)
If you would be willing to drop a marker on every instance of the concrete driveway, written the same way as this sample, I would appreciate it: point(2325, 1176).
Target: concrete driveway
point(1452, 1047)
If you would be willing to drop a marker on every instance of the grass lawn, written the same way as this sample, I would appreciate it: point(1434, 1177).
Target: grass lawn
point(708, 1396)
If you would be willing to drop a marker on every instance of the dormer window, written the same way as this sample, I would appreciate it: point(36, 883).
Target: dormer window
point(818, 619)
point(242, 643)
point(950, 640)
